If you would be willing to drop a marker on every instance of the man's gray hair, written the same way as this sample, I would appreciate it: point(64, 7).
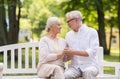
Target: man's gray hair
point(51, 21)
point(75, 14)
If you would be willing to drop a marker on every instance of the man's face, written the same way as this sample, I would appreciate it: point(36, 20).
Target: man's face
point(72, 22)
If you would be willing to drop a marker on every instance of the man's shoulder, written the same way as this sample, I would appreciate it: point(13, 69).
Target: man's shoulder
point(70, 32)
point(91, 29)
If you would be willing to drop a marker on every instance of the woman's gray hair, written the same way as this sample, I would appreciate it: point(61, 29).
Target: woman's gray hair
point(75, 14)
point(51, 21)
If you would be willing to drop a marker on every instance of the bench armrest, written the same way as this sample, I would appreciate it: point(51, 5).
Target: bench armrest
point(1, 69)
point(116, 65)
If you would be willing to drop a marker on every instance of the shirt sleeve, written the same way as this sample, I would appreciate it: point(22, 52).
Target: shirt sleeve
point(94, 44)
point(45, 53)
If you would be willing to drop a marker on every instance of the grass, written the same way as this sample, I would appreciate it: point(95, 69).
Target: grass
point(114, 55)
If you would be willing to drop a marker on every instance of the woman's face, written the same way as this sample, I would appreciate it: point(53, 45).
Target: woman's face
point(56, 28)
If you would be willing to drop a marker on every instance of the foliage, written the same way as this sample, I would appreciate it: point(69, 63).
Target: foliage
point(86, 7)
point(110, 9)
point(37, 14)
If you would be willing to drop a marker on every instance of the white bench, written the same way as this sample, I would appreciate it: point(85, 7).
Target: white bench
point(28, 57)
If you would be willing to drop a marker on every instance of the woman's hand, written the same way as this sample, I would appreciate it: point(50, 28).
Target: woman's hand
point(59, 55)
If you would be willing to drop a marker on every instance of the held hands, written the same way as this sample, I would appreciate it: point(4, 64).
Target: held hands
point(68, 51)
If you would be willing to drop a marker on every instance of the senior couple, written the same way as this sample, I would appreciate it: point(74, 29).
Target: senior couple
point(80, 45)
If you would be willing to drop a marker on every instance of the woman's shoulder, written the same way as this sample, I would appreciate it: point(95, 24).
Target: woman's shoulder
point(43, 38)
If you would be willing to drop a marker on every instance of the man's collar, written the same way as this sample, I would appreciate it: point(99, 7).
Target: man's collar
point(82, 27)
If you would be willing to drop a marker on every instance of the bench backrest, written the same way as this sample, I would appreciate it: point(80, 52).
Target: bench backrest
point(28, 57)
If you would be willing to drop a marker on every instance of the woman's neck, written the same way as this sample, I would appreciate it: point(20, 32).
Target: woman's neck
point(52, 36)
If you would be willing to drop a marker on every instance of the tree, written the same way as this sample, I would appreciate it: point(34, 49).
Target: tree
point(13, 21)
point(9, 30)
point(110, 18)
point(100, 13)
point(111, 23)
point(3, 27)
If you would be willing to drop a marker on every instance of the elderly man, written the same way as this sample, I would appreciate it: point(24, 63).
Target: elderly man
point(83, 44)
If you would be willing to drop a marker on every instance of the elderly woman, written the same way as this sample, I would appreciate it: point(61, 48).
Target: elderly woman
point(51, 63)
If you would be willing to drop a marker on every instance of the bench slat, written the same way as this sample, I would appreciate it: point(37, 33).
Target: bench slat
point(26, 58)
point(19, 58)
point(5, 59)
point(12, 58)
point(33, 57)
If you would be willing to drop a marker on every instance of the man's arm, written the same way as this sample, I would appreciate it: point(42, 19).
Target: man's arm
point(75, 52)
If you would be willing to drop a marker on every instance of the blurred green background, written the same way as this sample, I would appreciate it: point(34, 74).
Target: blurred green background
point(24, 21)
